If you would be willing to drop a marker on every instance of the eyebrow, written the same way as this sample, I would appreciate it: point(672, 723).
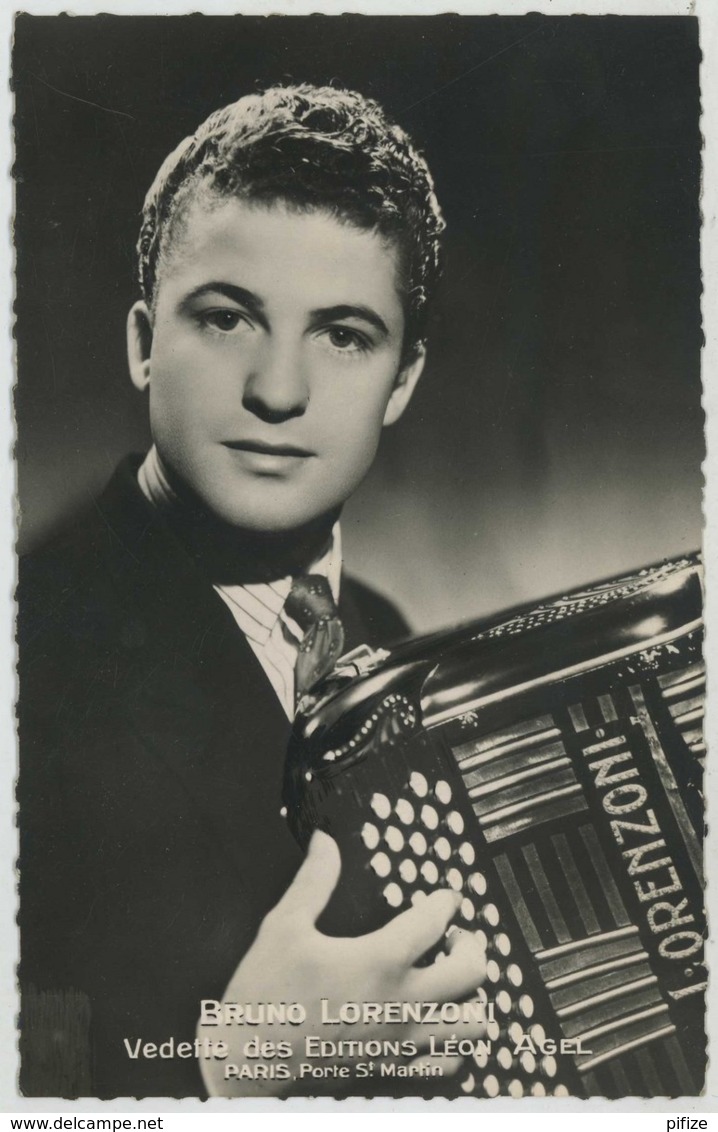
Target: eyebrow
point(346, 310)
point(256, 307)
point(240, 295)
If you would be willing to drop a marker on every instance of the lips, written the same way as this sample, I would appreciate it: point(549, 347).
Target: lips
point(266, 449)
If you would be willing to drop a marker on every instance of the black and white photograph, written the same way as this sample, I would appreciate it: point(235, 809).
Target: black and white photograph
point(359, 446)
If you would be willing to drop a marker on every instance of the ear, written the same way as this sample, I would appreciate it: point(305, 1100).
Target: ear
point(139, 345)
point(404, 386)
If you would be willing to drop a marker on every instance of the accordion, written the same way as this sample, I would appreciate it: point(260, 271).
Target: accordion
point(548, 767)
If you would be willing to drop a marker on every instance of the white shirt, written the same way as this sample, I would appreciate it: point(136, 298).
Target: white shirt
point(258, 608)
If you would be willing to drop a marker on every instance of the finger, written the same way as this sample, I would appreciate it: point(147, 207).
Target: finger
point(449, 1065)
point(309, 892)
point(409, 936)
point(455, 934)
point(452, 1065)
point(474, 1028)
point(456, 974)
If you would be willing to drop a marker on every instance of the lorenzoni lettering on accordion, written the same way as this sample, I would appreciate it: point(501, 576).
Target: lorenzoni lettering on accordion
point(548, 767)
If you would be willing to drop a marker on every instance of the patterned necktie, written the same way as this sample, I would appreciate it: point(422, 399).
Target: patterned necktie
point(311, 605)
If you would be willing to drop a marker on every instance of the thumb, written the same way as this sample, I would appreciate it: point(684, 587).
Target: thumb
point(309, 892)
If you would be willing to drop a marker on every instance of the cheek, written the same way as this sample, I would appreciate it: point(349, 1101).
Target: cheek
point(181, 388)
point(352, 411)
point(191, 378)
point(178, 416)
point(352, 433)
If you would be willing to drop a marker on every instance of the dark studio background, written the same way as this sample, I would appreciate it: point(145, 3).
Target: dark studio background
point(557, 434)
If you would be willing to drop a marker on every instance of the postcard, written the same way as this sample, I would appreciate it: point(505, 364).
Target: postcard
point(359, 446)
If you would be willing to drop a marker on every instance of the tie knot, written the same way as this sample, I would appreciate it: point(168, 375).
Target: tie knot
point(310, 601)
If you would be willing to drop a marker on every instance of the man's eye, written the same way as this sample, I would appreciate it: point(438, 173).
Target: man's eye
point(342, 338)
point(221, 319)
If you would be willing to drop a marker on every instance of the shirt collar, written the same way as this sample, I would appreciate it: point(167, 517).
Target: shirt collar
point(261, 604)
point(153, 482)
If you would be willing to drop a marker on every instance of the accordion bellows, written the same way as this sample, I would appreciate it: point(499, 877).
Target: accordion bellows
point(548, 767)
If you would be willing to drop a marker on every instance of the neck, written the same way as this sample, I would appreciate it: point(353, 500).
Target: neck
point(230, 555)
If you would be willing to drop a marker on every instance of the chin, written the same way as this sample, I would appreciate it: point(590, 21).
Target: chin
point(264, 519)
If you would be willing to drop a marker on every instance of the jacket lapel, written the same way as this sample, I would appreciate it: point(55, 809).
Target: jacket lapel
point(200, 699)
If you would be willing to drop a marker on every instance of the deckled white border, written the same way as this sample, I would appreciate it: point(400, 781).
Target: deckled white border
point(707, 11)
point(370, 7)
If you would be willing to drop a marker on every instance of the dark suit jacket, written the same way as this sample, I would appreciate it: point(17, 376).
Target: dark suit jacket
point(152, 845)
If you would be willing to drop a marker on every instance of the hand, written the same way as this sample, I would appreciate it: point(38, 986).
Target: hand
point(290, 961)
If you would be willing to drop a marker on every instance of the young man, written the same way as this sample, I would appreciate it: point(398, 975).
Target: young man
point(287, 256)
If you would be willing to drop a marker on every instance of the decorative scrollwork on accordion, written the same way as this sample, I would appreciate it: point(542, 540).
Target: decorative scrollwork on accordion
point(547, 767)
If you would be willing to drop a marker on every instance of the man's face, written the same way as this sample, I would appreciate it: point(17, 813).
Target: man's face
point(273, 361)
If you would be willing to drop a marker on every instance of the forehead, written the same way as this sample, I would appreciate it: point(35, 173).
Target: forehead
point(279, 252)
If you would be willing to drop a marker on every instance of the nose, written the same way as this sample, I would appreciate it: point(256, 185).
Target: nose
point(277, 387)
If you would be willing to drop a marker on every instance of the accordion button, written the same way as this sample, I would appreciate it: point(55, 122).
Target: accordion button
point(443, 792)
point(491, 1086)
point(491, 914)
point(481, 996)
point(381, 864)
point(481, 1056)
point(493, 971)
point(493, 1030)
point(380, 805)
point(502, 943)
point(526, 1005)
point(503, 1002)
point(516, 1032)
point(514, 974)
point(467, 909)
point(394, 839)
point(481, 938)
point(516, 1089)
point(468, 1084)
point(455, 823)
point(430, 872)
point(393, 895)
point(561, 1091)
point(429, 817)
point(477, 882)
point(418, 784)
point(455, 880)
point(418, 843)
point(442, 848)
point(504, 1058)
point(538, 1089)
point(466, 852)
point(528, 1062)
point(537, 1034)
point(370, 835)
point(417, 897)
point(548, 1066)
point(408, 871)
point(404, 811)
